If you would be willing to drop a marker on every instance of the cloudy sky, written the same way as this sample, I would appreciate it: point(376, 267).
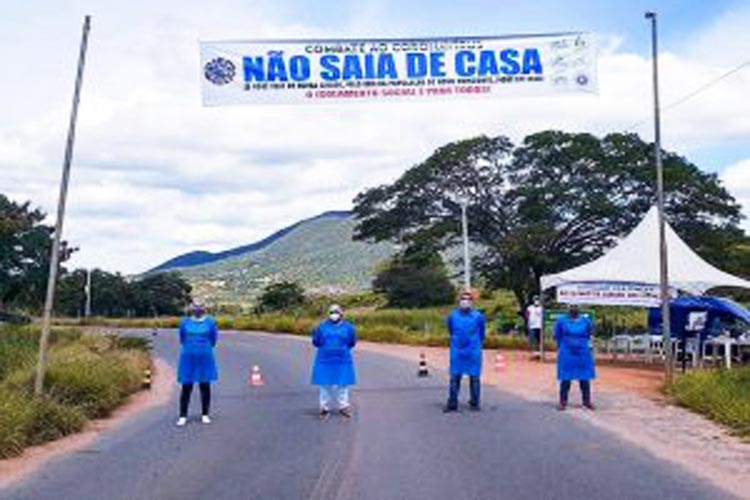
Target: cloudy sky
point(156, 174)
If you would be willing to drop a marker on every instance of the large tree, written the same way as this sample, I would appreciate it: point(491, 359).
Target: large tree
point(160, 294)
point(111, 294)
point(70, 299)
point(555, 201)
point(416, 277)
point(25, 245)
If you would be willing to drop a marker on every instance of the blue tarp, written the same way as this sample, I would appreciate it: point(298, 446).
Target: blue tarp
point(725, 309)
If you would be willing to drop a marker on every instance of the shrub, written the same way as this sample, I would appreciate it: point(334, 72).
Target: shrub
point(49, 420)
point(95, 384)
point(134, 343)
point(721, 395)
point(88, 376)
point(26, 421)
point(281, 296)
point(14, 415)
point(17, 349)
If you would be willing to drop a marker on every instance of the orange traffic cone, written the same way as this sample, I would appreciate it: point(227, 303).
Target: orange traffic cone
point(256, 378)
point(499, 363)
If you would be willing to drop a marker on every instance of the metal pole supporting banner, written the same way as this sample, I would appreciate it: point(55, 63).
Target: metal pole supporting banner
point(54, 264)
point(663, 263)
point(465, 232)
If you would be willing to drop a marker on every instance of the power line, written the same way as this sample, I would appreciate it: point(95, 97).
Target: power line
point(694, 93)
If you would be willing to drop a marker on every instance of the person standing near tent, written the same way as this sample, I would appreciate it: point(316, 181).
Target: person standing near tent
point(534, 320)
point(198, 337)
point(333, 370)
point(466, 327)
point(575, 360)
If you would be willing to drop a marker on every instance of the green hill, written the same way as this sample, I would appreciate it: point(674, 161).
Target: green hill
point(318, 253)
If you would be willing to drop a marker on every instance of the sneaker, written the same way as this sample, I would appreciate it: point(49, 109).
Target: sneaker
point(205, 419)
point(181, 422)
point(324, 414)
point(346, 412)
point(589, 406)
point(561, 407)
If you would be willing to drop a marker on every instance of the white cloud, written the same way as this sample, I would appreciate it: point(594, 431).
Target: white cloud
point(725, 39)
point(155, 174)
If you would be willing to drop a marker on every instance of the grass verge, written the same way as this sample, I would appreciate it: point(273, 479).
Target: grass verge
point(88, 377)
point(721, 395)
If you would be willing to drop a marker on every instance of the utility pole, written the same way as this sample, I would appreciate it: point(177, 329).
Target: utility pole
point(54, 264)
point(465, 231)
point(663, 264)
point(88, 293)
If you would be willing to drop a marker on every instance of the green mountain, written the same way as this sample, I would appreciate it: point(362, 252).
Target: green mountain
point(318, 253)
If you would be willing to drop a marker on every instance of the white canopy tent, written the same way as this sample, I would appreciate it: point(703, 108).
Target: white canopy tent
point(636, 260)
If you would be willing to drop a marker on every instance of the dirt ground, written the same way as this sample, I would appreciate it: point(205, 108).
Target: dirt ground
point(629, 403)
point(15, 469)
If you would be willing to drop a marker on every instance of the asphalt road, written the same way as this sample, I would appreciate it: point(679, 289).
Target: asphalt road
point(267, 443)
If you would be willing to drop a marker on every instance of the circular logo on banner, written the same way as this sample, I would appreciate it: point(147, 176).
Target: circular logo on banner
point(219, 71)
point(582, 80)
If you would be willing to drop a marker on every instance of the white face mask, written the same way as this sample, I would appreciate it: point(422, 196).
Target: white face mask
point(464, 304)
point(335, 317)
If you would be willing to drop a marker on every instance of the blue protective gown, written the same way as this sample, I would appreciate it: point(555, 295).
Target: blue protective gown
point(197, 361)
point(466, 329)
point(334, 364)
point(574, 358)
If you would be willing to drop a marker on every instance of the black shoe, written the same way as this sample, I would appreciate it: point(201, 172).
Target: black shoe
point(450, 409)
point(324, 414)
point(475, 408)
point(346, 412)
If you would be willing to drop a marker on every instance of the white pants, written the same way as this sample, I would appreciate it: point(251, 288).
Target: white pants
point(329, 392)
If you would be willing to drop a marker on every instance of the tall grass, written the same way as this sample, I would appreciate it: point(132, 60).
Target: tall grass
point(88, 376)
point(19, 346)
point(721, 395)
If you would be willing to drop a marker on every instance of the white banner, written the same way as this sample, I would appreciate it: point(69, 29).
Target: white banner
point(609, 294)
point(325, 71)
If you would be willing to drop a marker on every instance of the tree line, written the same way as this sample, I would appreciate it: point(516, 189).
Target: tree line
point(552, 202)
point(113, 295)
point(25, 246)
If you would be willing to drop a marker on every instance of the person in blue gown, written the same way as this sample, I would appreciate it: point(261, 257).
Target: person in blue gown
point(466, 326)
point(333, 370)
point(197, 365)
point(575, 361)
